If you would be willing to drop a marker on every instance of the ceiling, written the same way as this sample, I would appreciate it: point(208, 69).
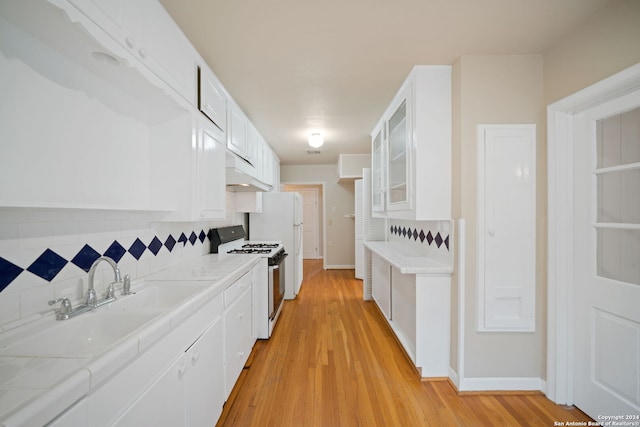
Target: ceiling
point(295, 66)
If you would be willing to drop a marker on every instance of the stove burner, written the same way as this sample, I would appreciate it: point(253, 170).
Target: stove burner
point(249, 251)
point(260, 245)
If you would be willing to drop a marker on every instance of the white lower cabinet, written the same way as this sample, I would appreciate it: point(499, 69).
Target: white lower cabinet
point(205, 378)
point(237, 330)
point(381, 283)
point(163, 403)
point(417, 307)
point(75, 416)
point(189, 392)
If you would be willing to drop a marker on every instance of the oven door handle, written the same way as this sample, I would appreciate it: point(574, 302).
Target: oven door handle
point(276, 264)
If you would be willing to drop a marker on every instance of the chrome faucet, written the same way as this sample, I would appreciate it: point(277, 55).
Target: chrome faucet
point(91, 299)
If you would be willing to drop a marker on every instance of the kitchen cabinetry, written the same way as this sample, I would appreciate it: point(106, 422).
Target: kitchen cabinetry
point(237, 329)
point(237, 131)
point(414, 294)
point(398, 161)
point(350, 166)
point(182, 363)
point(211, 173)
point(381, 283)
point(145, 29)
point(189, 392)
point(421, 319)
point(194, 146)
point(412, 166)
point(378, 168)
point(212, 100)
point(163, 402)
point(75, 416)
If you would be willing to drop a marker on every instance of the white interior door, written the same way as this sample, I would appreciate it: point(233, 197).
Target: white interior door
point(606, 310)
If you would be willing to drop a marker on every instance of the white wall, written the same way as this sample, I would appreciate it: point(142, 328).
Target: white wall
point(495, 89)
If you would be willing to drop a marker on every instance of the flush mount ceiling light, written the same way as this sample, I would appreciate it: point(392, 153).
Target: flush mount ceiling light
point(316, 140)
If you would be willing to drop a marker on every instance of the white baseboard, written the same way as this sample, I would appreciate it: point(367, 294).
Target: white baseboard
point(340, 267)
point(502, 384)
point(453, 376)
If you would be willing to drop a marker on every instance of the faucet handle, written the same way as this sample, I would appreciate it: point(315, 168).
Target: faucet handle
point(126, 287)
point(90, 298)
point(118, 276)
point(111, 291)
point(65, 306)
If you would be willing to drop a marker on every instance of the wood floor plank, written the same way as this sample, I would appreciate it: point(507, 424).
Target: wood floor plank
point(333, 361)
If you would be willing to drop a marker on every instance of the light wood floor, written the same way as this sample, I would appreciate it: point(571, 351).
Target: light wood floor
point(332, 361)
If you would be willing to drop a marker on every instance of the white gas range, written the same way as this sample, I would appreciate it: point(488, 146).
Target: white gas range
point(230, 241)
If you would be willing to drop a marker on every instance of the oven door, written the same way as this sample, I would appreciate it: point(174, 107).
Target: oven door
point(276, 286)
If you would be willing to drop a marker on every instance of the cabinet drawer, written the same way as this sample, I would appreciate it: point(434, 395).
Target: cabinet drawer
point(238, 340)
point(233, 291)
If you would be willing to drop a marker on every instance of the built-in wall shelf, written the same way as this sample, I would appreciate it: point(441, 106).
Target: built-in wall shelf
point(350, 166)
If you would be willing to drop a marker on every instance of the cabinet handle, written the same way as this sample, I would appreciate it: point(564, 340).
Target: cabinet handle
point(181, 370)
point(195, 357)
point(241, 314)
point(131, 42)
point(491, 232)
point(241, 354)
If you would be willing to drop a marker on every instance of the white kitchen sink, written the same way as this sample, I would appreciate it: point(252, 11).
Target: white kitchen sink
point(87, 334)
point(160, 296)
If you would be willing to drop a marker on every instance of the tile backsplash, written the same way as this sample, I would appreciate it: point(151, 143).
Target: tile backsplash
point(426, 238)
point(46, 253)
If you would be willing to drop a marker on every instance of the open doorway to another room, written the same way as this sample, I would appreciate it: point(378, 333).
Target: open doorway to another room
point(312, 218)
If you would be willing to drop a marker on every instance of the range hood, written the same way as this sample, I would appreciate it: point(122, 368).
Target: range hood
point(241, 175)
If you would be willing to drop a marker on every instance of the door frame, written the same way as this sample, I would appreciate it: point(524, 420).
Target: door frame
point(560, 253)
point(324, 210)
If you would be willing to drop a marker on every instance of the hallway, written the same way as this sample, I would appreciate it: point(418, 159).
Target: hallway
point(332, 361)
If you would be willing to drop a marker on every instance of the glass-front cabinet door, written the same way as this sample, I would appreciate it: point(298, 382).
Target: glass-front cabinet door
point(398, 162)
point(378, 167)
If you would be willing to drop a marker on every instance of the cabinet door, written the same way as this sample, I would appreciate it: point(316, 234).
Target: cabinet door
point(237, 131)
point(238, 343)
point(399, 131)
point(211, 173)
point(108, 15)
point(381, 284)
point(161, 46)
point(212, 101)
point(378, 168)
point(163, 403)
point(205, 378)
point(77, 415)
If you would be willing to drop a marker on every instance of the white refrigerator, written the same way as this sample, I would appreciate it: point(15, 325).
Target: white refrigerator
point(281, 219)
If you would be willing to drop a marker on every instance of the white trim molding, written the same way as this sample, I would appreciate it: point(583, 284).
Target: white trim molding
point(502, 384)
point(560, 252)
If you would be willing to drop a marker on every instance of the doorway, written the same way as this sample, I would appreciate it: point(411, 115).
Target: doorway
point(312, 214)
point(594, 247)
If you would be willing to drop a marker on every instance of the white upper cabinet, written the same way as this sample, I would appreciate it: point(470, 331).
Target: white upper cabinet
point(145, 29)
point(212, 100)
point(237, 131)
point(195, 147)
point(378, 168)
point(211, 172)
point(411, 147)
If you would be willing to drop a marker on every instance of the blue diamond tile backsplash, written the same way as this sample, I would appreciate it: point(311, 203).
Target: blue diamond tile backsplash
point(46, 253)
point(441, 240)
point(49, 263)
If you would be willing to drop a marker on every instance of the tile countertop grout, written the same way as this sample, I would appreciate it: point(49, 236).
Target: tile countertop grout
point(74, 383)
point(408, 264)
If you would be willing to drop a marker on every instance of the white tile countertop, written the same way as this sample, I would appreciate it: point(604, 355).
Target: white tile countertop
point(33, 390)
point(396, 254)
